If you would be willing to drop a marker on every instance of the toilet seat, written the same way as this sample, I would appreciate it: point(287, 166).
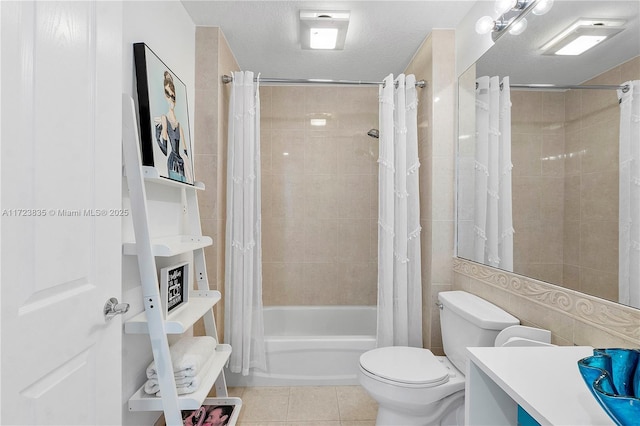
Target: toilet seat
point(404, 366)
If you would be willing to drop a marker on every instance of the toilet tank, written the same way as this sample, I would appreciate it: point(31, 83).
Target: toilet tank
point(467, 320)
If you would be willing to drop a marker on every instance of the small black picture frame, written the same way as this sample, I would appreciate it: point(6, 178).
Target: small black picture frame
point(164, 117)
point(174, 287)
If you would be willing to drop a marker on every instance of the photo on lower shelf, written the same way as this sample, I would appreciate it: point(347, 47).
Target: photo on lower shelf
point(207, 415)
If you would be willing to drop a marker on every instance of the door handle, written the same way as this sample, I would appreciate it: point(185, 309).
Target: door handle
point(113, 308)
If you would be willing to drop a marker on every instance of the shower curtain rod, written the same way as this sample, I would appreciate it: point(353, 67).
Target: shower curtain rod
point(623, 87)
point(228, 79)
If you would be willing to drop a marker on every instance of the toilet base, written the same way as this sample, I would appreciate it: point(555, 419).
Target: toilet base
point(446, 412)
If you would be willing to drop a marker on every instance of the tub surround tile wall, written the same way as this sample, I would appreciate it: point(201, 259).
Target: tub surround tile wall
point(574, 318)
point(319, 195)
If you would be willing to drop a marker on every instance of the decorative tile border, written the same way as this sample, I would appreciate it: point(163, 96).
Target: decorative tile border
point(619, 319)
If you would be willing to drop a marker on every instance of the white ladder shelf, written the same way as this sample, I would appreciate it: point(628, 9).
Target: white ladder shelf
point(200, 302)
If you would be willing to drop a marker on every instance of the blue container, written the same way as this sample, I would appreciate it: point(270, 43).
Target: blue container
point(613, 377)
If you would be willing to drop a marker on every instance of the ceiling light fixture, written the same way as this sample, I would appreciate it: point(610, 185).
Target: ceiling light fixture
point(582, 35)
point(323, 29)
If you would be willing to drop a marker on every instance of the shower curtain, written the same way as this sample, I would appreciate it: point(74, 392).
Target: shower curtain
point(629, 241)
point(399, 267)
point(493, 221)
point(243, 325)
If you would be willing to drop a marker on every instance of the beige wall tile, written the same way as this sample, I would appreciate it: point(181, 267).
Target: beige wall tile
point(354, 240)
point(526, 152)
point(552, 154)
point(599, 283)
point(320, 240)
point(354, 196)
point(526, 112)
point(599, 196)
point(283, 240)
point(265, 150)
point(443, 194)
point(320, 153)
point(571, 277)
point(357, 282)
point(442, 251)
point(319, 285)
point(357, 155)
point(553, 111)
point(288, 195)
point(321, 196)
point(574, 152)
point(630, 70)
point(281, 282)
point(572, 197)
point(287, 151)
point(594, 237)
point(589, 335)
point(600, 145)
point(288, 104)
point(266, 108)
point(571, 249)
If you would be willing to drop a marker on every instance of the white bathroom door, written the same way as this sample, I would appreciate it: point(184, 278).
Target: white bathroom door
point(61, 183)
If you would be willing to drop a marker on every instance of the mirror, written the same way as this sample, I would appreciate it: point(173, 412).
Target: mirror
point(564, 150)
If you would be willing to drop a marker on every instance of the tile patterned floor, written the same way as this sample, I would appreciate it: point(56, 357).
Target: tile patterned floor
point(305, 406)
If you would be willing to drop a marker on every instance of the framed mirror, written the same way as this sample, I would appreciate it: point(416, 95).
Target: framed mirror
point(539, 192)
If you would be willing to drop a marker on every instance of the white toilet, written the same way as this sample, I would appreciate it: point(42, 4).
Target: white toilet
point(413, 386)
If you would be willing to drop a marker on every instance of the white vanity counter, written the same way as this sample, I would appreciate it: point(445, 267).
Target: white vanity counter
point(545, 381)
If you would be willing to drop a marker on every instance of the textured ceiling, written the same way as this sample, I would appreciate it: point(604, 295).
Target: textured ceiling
point(382, 37)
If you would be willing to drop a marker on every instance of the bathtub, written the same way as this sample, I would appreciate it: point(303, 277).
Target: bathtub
point(312, 345)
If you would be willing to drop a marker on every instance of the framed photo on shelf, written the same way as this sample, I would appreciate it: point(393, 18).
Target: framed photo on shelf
point(212, 412)
point(174, 287)
point(208, 415)
point(164, 117)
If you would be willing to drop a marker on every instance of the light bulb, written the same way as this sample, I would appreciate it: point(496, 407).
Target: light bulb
point(485, 25)
point(542, 7)
point(503, 6)
point(519, 27)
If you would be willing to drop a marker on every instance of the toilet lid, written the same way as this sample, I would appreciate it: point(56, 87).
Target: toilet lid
point(405, 365)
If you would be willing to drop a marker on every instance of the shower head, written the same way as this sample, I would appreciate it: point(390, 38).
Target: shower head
point(374, 133)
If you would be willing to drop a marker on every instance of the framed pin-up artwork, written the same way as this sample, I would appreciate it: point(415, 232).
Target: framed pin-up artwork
point(164, 117)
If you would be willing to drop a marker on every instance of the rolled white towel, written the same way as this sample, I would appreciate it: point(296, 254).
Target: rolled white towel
point(188, 356)
point(187, 385)
point(152, 386)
